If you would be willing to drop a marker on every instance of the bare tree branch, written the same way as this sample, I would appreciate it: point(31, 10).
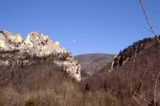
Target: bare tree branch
point(147, 19)
point(155, 88)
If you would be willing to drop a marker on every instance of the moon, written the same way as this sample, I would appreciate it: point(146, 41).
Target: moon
point(74, 41)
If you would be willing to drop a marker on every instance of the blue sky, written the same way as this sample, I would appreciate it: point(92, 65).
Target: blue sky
point(82, 26)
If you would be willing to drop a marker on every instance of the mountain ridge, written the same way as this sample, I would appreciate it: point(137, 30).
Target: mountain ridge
point(92, 63)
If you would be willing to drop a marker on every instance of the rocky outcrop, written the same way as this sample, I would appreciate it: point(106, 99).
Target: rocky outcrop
point(14, 51)
point(131, 51)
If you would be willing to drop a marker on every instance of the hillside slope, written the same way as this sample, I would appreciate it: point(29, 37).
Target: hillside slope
point(91, 63)
point(135, 75)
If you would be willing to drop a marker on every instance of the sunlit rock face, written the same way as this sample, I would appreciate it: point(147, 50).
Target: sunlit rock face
point(16, 51)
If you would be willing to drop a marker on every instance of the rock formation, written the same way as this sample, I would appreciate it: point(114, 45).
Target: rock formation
point(133, 50)
point(16, 51)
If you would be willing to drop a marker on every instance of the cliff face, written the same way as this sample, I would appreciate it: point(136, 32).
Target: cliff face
point(14, 51)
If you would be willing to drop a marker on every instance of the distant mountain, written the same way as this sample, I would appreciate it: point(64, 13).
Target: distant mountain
point(91, 63)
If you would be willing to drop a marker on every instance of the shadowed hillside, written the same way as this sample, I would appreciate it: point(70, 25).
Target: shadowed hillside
point(132, 50)
point(135, 78)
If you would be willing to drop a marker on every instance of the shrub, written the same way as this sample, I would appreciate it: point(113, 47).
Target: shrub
point(30, 103)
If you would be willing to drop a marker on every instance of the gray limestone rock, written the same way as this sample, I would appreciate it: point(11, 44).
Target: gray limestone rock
point(16, 51)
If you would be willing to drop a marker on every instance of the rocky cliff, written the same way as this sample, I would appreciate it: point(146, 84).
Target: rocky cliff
point(14, 51)
point(133, 50)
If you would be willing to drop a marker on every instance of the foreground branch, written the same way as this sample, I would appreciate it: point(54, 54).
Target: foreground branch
point(147, 20)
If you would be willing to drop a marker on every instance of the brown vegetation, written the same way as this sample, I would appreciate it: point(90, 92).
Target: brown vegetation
point(44, 84)
point(136, 82)
point(66, 94)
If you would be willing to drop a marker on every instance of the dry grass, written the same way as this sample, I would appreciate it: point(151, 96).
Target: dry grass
point(46, 85)
point(65, 94)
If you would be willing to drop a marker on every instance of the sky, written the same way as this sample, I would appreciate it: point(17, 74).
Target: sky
point(82, 26)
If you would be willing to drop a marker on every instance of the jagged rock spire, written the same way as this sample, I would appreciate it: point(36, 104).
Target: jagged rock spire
point(41, 46)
